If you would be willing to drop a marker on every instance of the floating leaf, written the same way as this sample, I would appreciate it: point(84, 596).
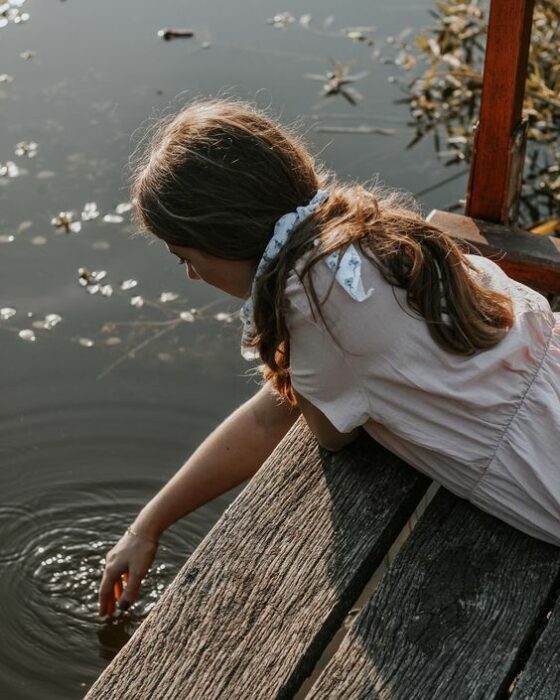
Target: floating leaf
point(113, 219)
point(83, 273)
point(26, 148)
point(90, 211)
point(360, 34)
point(52, 320)
point(24, 225)
point(98, 275)
point(47, 323)
point(6, 313)
point(10, 12)
point(281, 20)
point(337, 81)
point(27, 334)
point(128, 284)
point(224, 317)
point(65, 221)
point(9, 169)
point(123, 207)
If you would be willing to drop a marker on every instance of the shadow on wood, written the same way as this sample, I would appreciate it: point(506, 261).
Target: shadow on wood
point(455, 616)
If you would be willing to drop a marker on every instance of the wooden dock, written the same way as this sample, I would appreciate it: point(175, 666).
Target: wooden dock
point(468, 608)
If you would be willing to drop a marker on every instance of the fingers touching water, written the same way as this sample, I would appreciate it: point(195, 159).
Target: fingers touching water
point(126, 565)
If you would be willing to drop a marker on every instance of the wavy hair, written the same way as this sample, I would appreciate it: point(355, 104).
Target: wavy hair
point(217, 176)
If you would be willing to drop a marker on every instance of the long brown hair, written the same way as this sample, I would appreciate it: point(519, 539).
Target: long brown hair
point(216, 177)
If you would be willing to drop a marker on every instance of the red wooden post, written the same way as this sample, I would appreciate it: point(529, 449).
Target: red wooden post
point(499, 145)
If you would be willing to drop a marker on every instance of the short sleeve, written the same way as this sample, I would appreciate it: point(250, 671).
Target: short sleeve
point(319, 369)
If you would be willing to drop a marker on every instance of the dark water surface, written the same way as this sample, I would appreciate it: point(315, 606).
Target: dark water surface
point(98, 412)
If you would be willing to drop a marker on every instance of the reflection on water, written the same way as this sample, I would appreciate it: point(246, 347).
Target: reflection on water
point(76, 475)
point(108, 382)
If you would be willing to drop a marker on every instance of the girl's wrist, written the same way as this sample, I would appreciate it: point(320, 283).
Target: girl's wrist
point(146, 525)
point(149, 537)
point(148, 522)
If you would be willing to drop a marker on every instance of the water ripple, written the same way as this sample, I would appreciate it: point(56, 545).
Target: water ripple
point(72, 480)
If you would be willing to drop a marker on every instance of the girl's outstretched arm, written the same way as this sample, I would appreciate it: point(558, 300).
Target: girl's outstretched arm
point(232, 453)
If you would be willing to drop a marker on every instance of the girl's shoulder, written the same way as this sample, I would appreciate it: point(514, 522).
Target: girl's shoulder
point(337, 290)
point(361, 322)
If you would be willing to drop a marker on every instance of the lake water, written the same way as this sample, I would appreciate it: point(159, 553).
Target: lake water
point(98, 412)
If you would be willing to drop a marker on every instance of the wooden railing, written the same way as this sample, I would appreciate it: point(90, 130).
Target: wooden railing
point(499, 145)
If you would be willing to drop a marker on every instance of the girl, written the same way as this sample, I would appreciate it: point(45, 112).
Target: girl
point(364, 317)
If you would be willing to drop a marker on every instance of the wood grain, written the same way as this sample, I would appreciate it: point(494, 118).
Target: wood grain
point(258, 601)
point(453, 616)
point(540, 677)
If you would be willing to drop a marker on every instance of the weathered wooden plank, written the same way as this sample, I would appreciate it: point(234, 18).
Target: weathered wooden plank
point(530, 259)
point(451, 617)
point(257, 602)
point(539, 679)
point(499, 145)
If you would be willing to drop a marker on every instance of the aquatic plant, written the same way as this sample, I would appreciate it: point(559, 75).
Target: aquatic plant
point(444, 95)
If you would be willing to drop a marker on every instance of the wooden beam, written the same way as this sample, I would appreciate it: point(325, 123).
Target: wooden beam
point(499, 142)
point(252, 610)
point(526, 257)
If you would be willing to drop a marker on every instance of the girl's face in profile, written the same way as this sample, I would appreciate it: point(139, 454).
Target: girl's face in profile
point(231, 276)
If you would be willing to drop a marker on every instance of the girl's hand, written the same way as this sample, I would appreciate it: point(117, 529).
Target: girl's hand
point(130, 559)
